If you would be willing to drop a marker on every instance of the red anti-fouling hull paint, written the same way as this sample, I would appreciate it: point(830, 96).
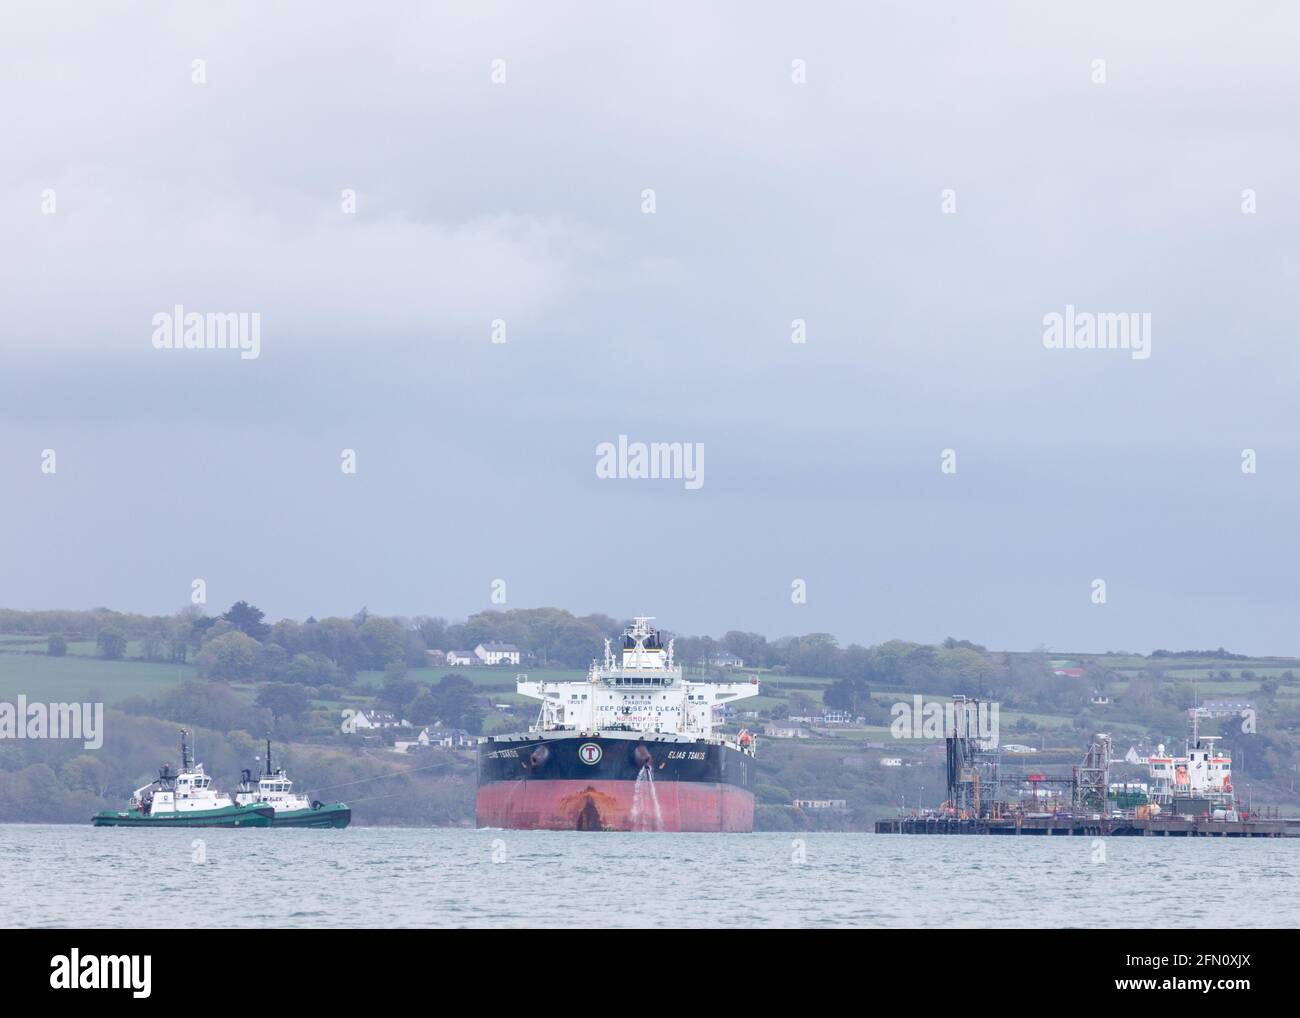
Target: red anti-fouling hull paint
point(603, 805)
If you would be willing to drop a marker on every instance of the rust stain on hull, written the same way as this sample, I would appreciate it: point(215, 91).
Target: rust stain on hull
point(581, 811)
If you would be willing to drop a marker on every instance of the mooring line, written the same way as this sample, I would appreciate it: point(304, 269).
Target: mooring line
point(372, 798)
point(377, 777)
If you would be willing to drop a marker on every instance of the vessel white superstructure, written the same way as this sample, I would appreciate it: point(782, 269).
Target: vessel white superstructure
point(643, 691)
point(189, 791)
point(1203, 772)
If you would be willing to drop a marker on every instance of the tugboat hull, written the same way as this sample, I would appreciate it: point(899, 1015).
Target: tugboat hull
point(622, 784)
point(336, 814)
point(229, 816)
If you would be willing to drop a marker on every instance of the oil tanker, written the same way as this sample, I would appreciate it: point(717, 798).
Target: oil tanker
point(632, 747)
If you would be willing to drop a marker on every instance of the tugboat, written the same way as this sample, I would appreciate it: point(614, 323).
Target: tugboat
point(273, 788)
point(631, 748)
point(186, 799)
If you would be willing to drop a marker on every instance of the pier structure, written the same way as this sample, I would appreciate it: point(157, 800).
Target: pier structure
point(979, 789)
point(1064, 824)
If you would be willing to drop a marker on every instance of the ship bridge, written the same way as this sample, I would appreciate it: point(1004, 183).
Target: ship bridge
point(642, 691)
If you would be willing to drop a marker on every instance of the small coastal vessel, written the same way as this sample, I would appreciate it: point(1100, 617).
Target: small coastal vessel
point(1198, 783)
point(184, 799)
point(273, 788)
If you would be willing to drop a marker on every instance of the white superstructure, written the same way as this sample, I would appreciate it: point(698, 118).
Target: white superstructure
point(645, 692)
point(187, 792)
point(272, 787)
point(1204, 772)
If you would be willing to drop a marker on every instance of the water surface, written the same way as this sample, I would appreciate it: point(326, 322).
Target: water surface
point(52, 875)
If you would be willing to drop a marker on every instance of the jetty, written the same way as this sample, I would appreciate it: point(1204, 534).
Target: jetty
point(1187, 795)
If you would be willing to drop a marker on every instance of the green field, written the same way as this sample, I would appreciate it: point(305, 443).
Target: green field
point(497, 679)
point(65, 679)
point(87, 648)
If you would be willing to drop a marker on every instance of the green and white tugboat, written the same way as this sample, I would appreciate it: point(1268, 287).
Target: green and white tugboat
point(185, 799)
point(273, 788)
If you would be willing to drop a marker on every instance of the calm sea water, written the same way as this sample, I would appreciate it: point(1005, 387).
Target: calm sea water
point(87, 877)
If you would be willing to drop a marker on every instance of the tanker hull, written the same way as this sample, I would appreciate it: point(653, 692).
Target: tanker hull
point(612, 782)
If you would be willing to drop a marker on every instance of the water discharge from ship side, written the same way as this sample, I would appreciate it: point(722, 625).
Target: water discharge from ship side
point(646, 813)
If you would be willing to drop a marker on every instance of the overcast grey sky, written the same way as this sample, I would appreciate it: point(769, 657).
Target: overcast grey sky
point(774, 200)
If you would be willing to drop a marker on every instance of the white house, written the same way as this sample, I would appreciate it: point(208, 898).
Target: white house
point(449, 738)
point(1224, 708)
point(497, 653)
point(835, 804)
point(891, 761)
point(784, 730)
point(460, 657)
point(830, 717)
point(725, 660)
point(370, 719)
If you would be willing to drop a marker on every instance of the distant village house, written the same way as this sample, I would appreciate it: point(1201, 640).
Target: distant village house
point(835, 804)
point(1224, 708)
point(497, 653)
point(830, 717)
point(445, 738)
point(372, 719)
point(784, 730)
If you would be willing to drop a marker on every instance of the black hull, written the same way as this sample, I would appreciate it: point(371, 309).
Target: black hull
point(533, 758)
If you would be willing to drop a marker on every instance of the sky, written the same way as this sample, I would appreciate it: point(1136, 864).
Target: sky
point(648, 198)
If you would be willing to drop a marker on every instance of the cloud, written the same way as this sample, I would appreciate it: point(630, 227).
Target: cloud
point(775, 201)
